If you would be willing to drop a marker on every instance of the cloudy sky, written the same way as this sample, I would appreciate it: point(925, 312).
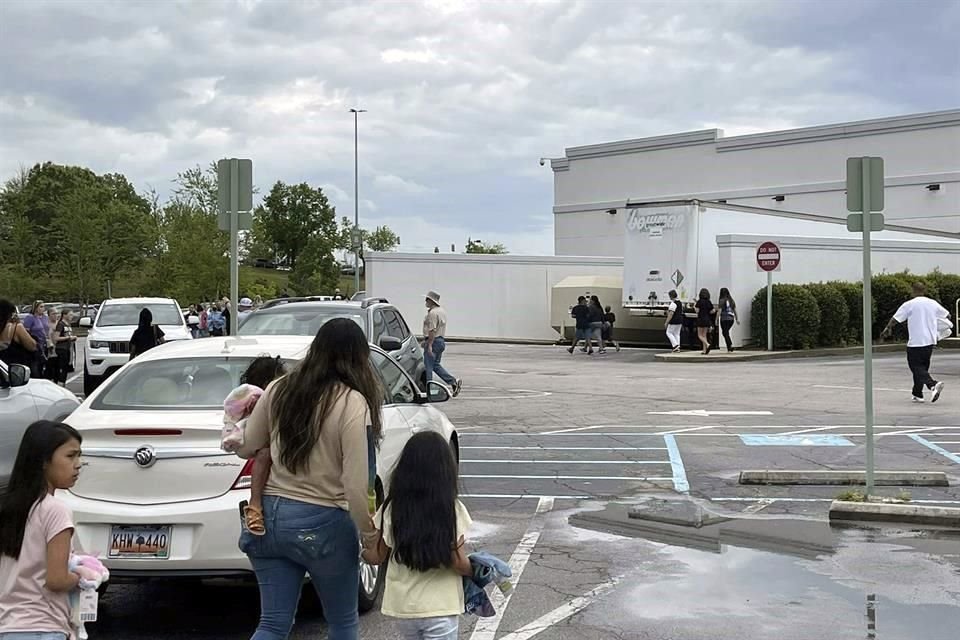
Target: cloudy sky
point(463, 97)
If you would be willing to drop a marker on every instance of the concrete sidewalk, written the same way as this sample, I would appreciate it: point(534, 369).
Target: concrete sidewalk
point(747, 355)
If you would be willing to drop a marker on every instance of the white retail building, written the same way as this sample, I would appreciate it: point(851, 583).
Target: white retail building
point(791, 179)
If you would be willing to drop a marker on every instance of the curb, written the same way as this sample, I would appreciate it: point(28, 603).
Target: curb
point(844, 478)
point(945, 516)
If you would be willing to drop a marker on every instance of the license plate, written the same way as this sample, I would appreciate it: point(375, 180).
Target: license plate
point(140, 541)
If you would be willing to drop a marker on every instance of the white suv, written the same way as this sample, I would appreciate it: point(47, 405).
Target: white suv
point(108, 343)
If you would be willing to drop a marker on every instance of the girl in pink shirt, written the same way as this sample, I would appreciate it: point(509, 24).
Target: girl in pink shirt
point(36, 533)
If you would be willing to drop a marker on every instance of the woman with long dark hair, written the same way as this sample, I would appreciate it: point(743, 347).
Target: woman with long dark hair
point(17, 346)
point(315, 422)
point(146, 336)
point(727, 316)
point(595, 315)
point(36, 531)
point(705, 319)
point(422, 524)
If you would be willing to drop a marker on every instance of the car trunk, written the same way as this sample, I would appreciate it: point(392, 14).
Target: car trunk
point(155, 458)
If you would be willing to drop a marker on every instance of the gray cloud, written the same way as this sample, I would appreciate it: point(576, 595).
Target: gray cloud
point(463, 97)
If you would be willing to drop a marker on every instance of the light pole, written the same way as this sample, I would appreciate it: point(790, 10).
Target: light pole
point(355, 236)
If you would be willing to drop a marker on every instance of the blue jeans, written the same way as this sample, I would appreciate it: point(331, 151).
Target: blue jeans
point(303, 539)
point(440, 628)
point(433, 363)
point(33, 635)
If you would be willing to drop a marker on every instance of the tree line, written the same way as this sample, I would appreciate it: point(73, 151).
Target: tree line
point(65, 232)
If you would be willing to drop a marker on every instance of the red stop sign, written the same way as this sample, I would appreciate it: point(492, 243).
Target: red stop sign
point(768, 256)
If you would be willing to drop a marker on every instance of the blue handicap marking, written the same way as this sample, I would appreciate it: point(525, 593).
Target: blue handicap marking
point(795, 441)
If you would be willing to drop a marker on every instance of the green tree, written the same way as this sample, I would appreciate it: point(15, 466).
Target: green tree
point(478, 246)
point(381, 239)
point(295, 218)
point(195, 264)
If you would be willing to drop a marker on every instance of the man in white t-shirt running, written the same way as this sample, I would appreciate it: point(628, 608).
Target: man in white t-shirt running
point(921, 315)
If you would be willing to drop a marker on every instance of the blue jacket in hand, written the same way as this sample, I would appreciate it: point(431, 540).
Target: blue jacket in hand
point(486, 569)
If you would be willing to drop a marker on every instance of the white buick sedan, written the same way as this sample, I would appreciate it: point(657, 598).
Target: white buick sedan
point(159, 499)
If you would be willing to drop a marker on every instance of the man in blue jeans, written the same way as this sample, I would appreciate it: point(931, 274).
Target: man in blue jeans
point(434, 330)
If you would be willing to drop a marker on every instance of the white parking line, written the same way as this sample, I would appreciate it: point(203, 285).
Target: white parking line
point(72, 378)
point(620, 478)
point(946, 454)
point(561, 613)
point(486, 628)
point(567, 461)
point(759, 499)
point(679, 478)
point(521, 496)
point(571, 448)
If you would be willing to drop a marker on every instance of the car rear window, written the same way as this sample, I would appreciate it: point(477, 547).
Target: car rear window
point(115, 315)
point(287, 321)
point(189, 384)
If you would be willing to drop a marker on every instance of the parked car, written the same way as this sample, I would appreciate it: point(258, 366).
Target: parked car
point(22, 401)
point(108, 342)
point(382, 323)
point(264, 263)
point(155, 472)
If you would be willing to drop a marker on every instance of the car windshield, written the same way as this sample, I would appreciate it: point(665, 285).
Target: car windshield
point(191, 384)
point(116, 315)
point(288, 321)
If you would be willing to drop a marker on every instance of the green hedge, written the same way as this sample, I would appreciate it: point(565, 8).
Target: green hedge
point(834, 314)
point(831, 314)
point(796, 317)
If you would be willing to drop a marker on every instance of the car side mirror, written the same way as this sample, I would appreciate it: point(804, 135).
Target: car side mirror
point(437, 391)
point(19, 375)
point(86, 322)
point(390, 343)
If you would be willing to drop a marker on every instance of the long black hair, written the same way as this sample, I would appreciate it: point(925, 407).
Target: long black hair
point(725, 295)
point(6, 312)
point(423, 503)
point(595, 300)
point(704, 294)
point(338, 360)
point(28, 482)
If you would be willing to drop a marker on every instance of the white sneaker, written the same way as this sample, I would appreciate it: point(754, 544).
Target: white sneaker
point(937, 390)
point(917, 400)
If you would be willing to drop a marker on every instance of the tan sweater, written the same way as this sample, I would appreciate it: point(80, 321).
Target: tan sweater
point(337, 474)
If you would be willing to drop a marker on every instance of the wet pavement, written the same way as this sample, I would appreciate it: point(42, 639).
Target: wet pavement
point(545, 436)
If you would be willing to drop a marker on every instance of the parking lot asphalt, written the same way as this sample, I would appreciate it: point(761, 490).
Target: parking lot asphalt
point(545, 435)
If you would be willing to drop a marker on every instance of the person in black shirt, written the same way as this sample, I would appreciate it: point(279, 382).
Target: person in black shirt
point(609, 318)
point(674, 321)
point(706, 314)
point(146, 336)
point(580, 312)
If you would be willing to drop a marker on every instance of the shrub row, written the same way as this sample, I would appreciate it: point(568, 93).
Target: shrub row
point(830, 314)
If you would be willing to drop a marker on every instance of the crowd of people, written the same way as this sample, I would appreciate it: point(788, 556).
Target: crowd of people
point(42, 340)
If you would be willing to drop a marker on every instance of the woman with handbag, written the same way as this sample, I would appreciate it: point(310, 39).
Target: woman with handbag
point(146, 336)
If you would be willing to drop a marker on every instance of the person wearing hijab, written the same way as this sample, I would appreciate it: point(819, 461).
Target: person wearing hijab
point(146, 336)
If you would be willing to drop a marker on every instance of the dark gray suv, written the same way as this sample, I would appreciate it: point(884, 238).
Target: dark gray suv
point(381, 322)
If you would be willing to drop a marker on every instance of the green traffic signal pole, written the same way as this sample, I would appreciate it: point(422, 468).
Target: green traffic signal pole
point(867, 324)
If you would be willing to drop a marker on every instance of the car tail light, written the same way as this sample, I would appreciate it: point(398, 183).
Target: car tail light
point(147, 432)
point(244, 480)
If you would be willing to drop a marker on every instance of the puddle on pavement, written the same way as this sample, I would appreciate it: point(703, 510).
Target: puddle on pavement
point(786, 579)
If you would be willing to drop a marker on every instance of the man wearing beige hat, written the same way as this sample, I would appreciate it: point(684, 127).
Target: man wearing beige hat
point(434, 330)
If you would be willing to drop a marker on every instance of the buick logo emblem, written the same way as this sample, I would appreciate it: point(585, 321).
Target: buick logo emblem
point(145, 457)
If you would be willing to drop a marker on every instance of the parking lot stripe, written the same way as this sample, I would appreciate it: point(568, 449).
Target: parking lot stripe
point(573, 448)
point(619, 478)
point(760, 499)
point(486, 628)
point(566, 461)
point(562, 612)
point(946, 454)
point(680, 483)
point(521, 496)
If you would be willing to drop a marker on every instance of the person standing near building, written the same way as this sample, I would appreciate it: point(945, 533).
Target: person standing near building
point(922, 316)
point(595, 316)
point(581, 331)
point(674, 322)
point(609, 319)
point(706, 313)
point(434, 342)
point(727, 316)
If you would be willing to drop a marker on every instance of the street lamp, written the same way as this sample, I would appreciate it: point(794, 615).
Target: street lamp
point(356, 203)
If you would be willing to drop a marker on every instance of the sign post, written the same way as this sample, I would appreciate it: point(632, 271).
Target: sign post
point(234, 195)
point(768, 259)
point(865, 195)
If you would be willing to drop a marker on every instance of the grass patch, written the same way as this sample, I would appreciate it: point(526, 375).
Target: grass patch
point(852, 495)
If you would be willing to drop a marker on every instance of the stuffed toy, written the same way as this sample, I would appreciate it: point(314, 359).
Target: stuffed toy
point(236, 408)
point(92, 575)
